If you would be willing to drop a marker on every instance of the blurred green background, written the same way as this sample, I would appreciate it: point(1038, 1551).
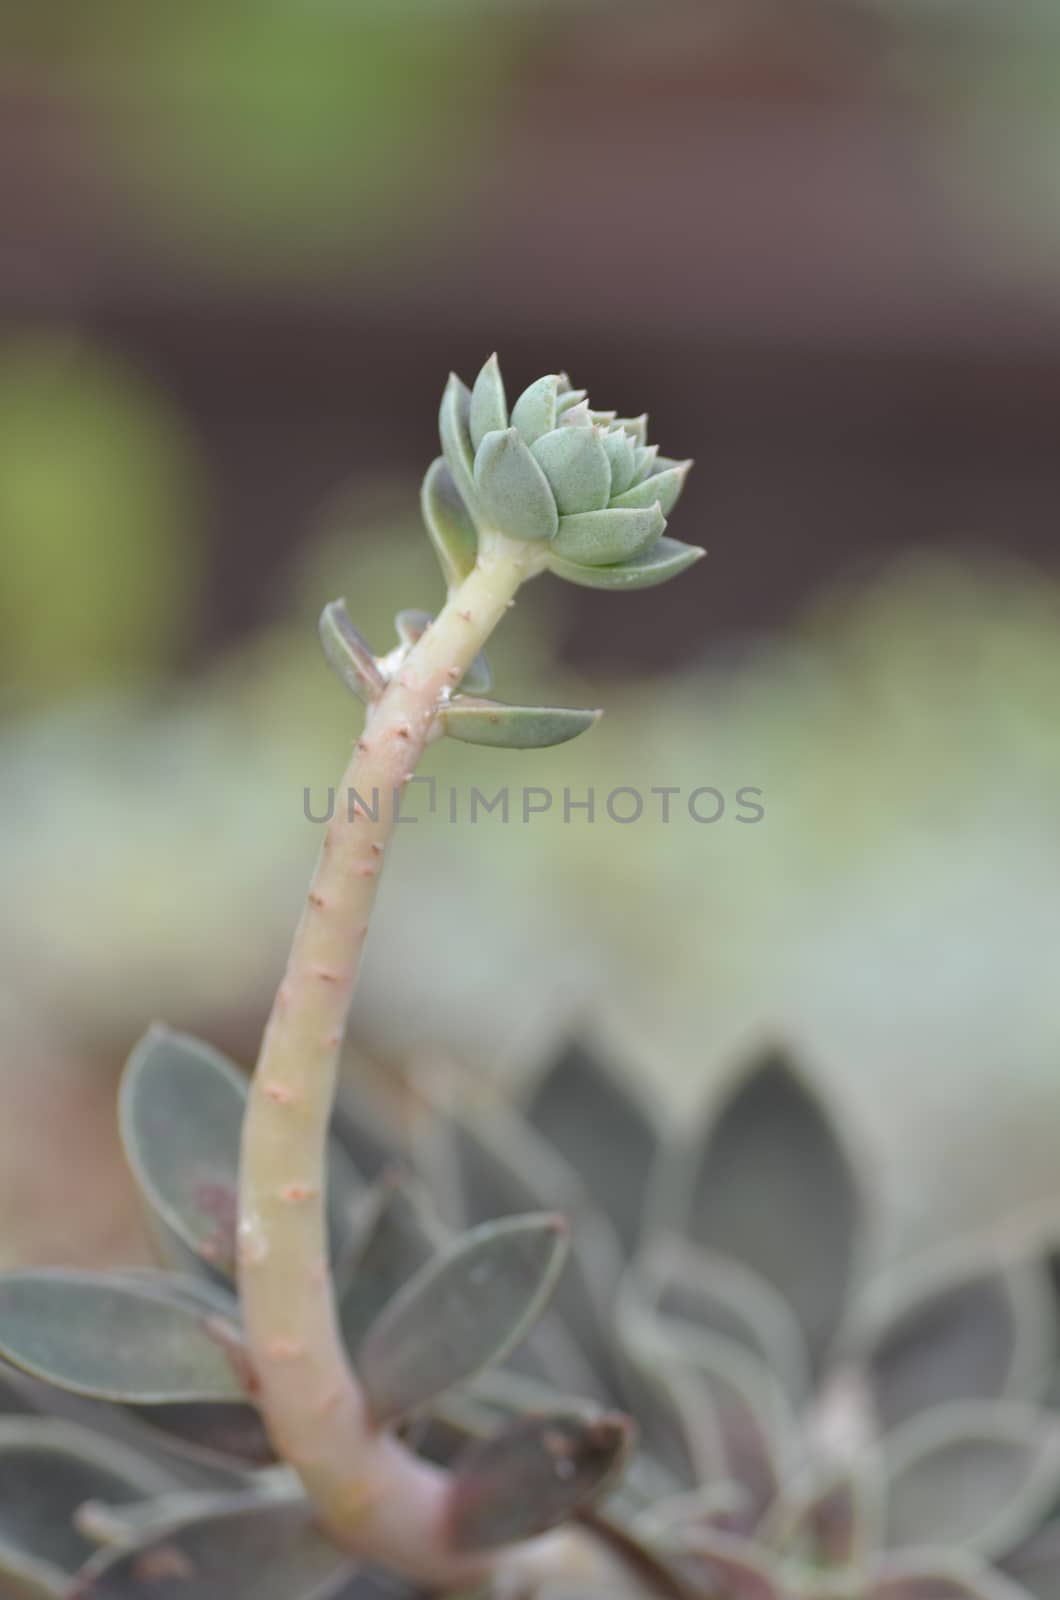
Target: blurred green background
point(819, 240)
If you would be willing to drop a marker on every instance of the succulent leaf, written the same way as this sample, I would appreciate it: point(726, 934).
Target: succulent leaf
point(489, 407)
point(619, 447)
point(636, 427)
point(576, 465)
point(663, 487)
point(250, 1547)
point(449, 524)
point(644, 457)
point(601, 538)
point(180, 1112)
point(48, 1469)
point(397, 1237)
point(513, 490)
point(349, 653)
point(603, 1130)
point(725, 1564)
point(489, 722)
point(534, 413)
point(461, 1312)
point(695, 1292)
point(664, 560)
point(973, 1475)
point(454, 431)
point(535, 1473)
point(116, 1338)
point(966, 1324)
point(769, 1183)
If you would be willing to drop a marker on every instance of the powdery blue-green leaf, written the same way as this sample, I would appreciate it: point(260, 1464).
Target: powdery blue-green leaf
point(537, 1472)
point(229, 1434)
point(827, 1520)
point(619, 446)
point(448, 522)
point(936, 1575)
point(696, 1292)
point(664, 487)
point(974, 1475)
point(1035, 1562)
point(601, 538)
point(576, 465)
point(496, 1165)
point(454, 432)
point(116, 1338)
point(461, 1312)
point(964, 1324)
point(180, 1112)
point(514, 492)
point(251, 1547)
point(411, 625)
point(769, 1183)
point(488, 412)
point(349, 654)
point(534, 413)
point(636, 427)
point(603, 1130)
point(666, 559)
point(569, 399)
point(475, 721)
point(644, 460)
point(48, 1469)
point(398, 1234)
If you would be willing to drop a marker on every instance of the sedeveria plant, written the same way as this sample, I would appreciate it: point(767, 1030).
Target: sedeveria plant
point(550, 486)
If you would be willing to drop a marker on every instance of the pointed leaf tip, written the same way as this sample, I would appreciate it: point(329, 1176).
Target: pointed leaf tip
point(489, 407)
point(461, 1312)
point(537, 1472)
point(665, 559)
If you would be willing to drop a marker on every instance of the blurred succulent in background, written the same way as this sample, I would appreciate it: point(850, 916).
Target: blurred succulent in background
point(798, 1434)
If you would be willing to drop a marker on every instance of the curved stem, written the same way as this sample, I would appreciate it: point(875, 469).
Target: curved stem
point(375, 1497)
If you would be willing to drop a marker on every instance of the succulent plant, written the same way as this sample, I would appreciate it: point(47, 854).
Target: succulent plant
point(399, 1360)
point(248, 1187)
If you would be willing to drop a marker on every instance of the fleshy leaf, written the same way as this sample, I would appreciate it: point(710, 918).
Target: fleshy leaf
point(489, 407)
point(453, 429)
point(490, 722)
point(47, 1470)
point(644, 459)
point(935, 1575)
point(695, 1292)
point(448, 522)
point(828, 1522)
point(251, 1547)
point(637, 427)
point(534, 413)
point(534, 1474)
point(513, 490)
point(398, 1236)
point(602, 538)
point(664, 487)
point(1035, 1562)
point(569, 399)
point(619, 447)
point(411, 624)
point(349, 653)
point(213, 1433)
point(115, 1337)
point(461, 1312)
point(770, 1185)
point(603, 1130)
point(575, 463)
point(976, 1476)
point(180, 1112)
point(665, 560)
point(965, 1324)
